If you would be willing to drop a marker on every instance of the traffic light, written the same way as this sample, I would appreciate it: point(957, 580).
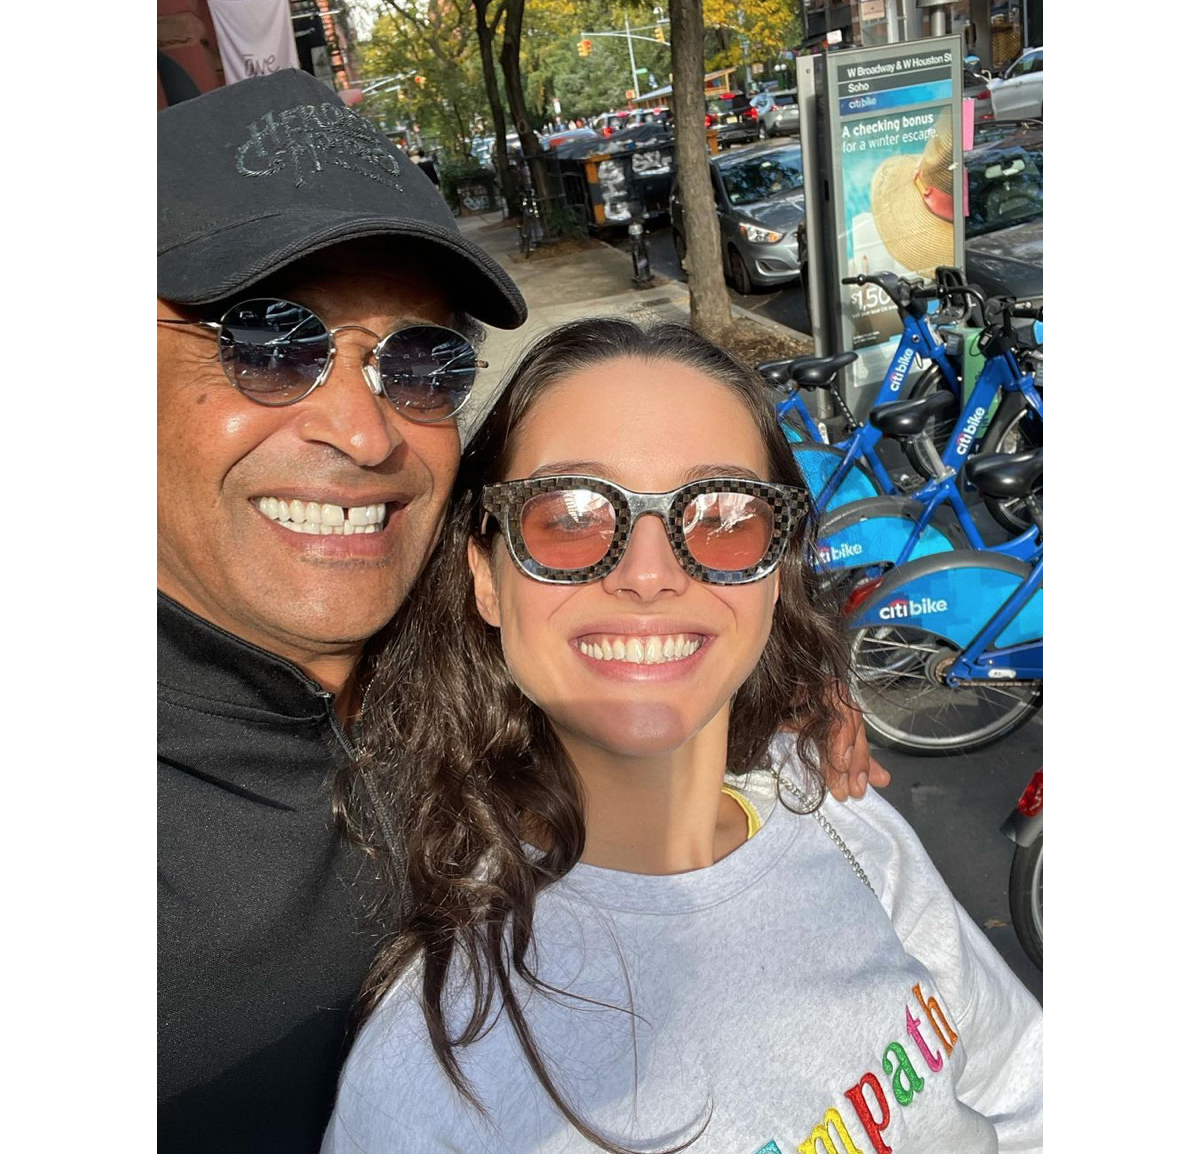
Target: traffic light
point(420, 80)
point(585, 48)
point(659, 34)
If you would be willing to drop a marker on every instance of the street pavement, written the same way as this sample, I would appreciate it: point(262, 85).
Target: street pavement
point(956, 804)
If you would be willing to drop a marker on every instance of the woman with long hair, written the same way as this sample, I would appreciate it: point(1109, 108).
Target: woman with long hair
point(632, 919)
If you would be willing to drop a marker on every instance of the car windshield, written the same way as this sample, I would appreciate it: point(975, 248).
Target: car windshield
point(764, 175)
point(1004, 187)
point(784, 99)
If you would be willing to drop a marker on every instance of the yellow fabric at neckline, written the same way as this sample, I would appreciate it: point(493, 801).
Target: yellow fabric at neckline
point(753, 821)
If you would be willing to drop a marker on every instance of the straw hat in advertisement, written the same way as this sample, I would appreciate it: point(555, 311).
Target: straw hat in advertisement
point(913, 206)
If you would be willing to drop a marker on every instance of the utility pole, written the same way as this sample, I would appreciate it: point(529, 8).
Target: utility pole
point(637, 92)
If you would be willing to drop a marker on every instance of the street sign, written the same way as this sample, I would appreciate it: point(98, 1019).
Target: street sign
point(629, 94)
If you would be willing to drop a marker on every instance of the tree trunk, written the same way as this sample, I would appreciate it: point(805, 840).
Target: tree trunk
point(486, 35)
point(711, 315)
point(510, 66)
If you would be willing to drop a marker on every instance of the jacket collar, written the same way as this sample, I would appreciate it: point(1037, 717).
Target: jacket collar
point(198, 660)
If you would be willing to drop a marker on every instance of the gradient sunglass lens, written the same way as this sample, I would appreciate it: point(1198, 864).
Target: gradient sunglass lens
point(568, 528)
point(728, 531)
point(272, 350)
point(427, 371)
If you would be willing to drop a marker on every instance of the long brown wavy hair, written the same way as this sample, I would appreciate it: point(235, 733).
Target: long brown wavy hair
point(461, 766)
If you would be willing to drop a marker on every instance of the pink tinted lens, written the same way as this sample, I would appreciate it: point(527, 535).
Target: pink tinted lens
point(568, 528)
point(728, 530)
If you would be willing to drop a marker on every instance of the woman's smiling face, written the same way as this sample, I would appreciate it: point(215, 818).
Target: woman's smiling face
point(649, 426)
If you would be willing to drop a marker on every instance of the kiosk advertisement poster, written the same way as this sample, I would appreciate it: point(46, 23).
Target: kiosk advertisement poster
point(895, 134)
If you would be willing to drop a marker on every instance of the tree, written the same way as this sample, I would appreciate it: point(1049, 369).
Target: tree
point(485, 33)
point(427, 45)
point(768, 27)
point(552, 67)
point(710, 310)
point(510, 66)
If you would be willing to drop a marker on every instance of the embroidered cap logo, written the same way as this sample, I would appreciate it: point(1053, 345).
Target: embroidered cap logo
point(308, 136)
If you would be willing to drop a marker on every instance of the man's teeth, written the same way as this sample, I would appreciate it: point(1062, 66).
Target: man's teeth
point(641, 650)
point(315, 518)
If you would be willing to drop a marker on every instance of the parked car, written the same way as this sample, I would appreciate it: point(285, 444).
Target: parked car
point(759, 193)
point(733, 116)
point(779, 114)
point(648, 116)
point(1017, 91)
point(975, 87)
point(481, 149)
point(554, 140)
point(610, 122)
point(1003, 225)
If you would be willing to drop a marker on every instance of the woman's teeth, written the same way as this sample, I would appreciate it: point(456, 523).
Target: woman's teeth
point(641, 650)
point(316, 518)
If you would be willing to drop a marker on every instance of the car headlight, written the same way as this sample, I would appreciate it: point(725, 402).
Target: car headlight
point(755, 234)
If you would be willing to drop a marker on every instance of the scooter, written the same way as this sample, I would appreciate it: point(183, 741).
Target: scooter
point(1024, 826)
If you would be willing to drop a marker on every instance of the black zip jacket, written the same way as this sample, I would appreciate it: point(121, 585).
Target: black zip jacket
point(264, 935)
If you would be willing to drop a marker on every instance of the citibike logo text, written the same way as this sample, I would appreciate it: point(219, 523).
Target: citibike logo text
point(838, 552)
point(897, 375)
point(906, 608)
point(967, 437)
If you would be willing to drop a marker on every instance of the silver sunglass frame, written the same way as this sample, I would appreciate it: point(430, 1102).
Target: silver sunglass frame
point(370, 370)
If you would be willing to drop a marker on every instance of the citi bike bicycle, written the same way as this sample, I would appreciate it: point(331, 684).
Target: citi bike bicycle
point(851, 469)
point(887, 530)
point(946, 651)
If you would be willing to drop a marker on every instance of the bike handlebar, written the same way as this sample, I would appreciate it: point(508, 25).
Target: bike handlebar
point(962, 291)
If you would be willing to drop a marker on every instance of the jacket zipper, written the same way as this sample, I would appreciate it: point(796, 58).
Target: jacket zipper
point(385, 824)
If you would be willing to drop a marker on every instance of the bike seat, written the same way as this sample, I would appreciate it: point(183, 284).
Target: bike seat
point(1004, 475)
point(818, 372)
point(807, 372)
point(777, 372)
point(908, 418)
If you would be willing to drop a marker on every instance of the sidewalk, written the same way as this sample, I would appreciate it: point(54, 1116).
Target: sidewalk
point(595, 281)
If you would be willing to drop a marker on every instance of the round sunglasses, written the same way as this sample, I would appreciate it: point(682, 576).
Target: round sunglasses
point(571, 530)
point(276, 352)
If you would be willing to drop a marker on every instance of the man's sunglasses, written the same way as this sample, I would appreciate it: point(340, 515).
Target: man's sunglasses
point(572, 530)
point(275, 352)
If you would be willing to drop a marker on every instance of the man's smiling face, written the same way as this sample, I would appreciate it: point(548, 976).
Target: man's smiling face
point(230, 469)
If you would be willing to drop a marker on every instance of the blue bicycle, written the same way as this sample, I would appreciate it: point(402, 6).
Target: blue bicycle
point(946, 652)
point(885, 531)
point(851, 469)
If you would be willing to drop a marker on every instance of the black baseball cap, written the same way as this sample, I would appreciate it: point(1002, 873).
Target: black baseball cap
point(256, 175)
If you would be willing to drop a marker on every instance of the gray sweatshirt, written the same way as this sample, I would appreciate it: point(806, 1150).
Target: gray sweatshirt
point(774, 998)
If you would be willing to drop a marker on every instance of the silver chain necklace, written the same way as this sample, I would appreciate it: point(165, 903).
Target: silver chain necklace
point(827, 826)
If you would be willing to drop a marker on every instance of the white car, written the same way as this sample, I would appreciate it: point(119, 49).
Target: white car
point(1017, 94)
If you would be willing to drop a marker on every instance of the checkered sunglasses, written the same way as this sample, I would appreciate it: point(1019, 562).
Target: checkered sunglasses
point(572, 530)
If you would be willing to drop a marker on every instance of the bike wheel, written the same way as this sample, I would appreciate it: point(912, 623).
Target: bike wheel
point(896, 678)
point(931, 381)
point(1015, 433)
point(819, 462)
point(1025, 898)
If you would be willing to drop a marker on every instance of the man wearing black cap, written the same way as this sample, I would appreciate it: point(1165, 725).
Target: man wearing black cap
point(316, 304)
point(305, 261)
